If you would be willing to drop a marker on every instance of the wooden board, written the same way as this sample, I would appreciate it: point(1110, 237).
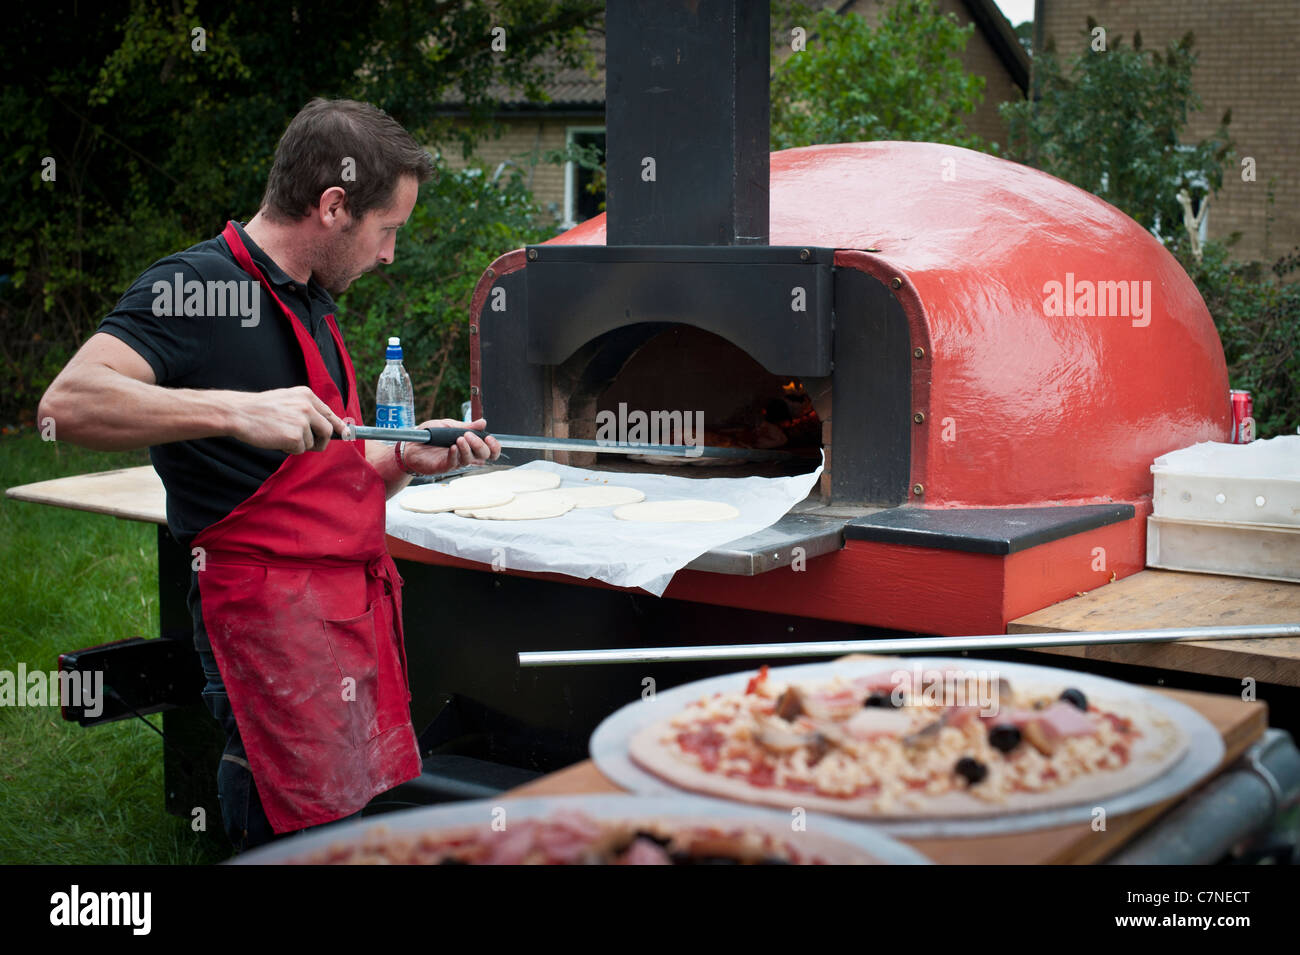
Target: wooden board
point(1167, 598)
point(1240, 724)
point(135, 494)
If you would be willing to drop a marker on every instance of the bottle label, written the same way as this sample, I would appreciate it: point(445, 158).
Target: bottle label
point(391, 416)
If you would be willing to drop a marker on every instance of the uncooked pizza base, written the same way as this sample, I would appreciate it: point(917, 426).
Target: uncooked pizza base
point(601, 495)
point(667, 512)
point(444, 497)
point(1161, 746)
point(537, 505)
point(513, 480)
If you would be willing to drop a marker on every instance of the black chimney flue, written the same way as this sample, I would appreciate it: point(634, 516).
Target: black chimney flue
point(687, 118)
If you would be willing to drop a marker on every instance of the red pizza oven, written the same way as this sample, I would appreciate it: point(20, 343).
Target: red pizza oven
point(989, 359)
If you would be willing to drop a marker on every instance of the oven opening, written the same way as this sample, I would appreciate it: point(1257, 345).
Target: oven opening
point(677, 384)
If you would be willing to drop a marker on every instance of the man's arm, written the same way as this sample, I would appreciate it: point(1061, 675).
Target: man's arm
point(106, 398)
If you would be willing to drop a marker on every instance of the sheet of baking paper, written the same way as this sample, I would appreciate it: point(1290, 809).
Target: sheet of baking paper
point(592, 543)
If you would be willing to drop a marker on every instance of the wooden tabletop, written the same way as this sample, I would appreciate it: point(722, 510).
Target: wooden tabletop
point(1167, 598)
point(1240, 724)
point(135, 494)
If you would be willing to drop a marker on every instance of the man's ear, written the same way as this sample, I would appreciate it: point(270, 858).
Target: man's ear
point(332, 208)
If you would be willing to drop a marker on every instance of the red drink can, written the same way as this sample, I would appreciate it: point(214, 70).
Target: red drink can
point(1243, 421)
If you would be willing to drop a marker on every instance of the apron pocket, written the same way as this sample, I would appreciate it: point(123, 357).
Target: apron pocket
point(353, 645)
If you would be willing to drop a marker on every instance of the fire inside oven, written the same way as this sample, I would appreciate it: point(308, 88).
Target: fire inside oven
point(683, 385)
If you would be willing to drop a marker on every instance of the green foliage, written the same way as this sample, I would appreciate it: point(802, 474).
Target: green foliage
point(71, 795)
point(1109, 121)
point(1257, 312)
point(158, 143)
point(900, 80)
point(460, 224)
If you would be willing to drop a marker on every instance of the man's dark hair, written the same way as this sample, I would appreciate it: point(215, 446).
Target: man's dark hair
point(314, 151)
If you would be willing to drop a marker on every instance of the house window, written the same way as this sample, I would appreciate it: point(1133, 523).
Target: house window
point(579, 203)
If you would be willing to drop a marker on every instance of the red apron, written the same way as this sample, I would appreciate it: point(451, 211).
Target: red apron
point(303, 608)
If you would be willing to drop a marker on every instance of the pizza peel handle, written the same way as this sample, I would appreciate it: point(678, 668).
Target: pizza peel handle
point(446, 437)
point(437, 437)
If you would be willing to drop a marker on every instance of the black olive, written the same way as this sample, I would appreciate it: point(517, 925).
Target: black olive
point(1004, 737)
point(1076, 697)
point(972, 769)
point(882, 699)
point(659, 840)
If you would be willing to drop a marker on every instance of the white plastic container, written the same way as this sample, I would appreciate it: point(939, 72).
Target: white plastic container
point(1269, 551)
point(1256, 483)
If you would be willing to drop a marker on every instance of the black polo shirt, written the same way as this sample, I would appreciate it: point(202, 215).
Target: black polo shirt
point(208, 478)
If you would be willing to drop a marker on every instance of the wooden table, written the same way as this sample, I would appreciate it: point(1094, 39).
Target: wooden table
point(1167, 598)
point(1240, 724)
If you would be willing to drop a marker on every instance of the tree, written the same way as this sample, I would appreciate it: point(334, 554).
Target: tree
point(902, 79)
point(1111, 122)
point(159, 121)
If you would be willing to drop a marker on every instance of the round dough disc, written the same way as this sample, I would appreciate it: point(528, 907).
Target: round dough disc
point(444, 497)
point(664, 512)
point(525, 507)
point(602, 495)
point(513, 480)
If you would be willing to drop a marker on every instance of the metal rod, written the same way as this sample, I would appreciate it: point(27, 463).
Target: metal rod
point(759, 651)
point(542, 443)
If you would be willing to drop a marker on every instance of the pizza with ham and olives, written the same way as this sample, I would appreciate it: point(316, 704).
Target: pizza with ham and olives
point(571, 837)
point(906, 742)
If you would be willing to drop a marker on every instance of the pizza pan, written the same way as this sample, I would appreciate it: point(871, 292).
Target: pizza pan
point(834, 839)
point(609, 743)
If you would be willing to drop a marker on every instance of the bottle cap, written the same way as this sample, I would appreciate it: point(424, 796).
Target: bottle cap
point(394, 349)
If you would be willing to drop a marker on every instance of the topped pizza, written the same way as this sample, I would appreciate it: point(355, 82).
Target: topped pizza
point(907, 742)
point(571, 837)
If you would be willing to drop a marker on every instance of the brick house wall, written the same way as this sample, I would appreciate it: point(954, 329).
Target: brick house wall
point(1247, 61)
point(525, 141)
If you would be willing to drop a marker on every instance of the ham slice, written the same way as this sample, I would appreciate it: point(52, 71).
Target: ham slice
point(1063, 719)
point(1014, 715)
point(645, 852)
point(875, 721)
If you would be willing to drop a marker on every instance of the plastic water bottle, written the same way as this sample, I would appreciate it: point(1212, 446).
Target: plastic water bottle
point(394, 400)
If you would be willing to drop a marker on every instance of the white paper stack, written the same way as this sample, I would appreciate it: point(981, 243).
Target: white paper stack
point(1228, 509)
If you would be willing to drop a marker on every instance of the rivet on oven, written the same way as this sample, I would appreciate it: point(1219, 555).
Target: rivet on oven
point(532, 255)
point(896, 282)
point(918, 489)
point(789, 629)
point(805, 255)
point(919, 417)
point(473, 329)
point(473, 389)
point(491, 273)
point(918, 352)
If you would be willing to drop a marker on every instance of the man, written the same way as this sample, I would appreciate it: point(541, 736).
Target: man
point(226, 361)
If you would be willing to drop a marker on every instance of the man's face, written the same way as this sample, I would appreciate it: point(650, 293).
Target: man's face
point(365, 244)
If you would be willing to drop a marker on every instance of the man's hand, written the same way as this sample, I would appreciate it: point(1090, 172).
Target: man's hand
point(468, 449)
point(292, 420)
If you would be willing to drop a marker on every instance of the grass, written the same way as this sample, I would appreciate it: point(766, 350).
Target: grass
point(70, 579)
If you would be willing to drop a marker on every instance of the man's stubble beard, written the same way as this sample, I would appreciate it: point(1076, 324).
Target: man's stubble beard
point(334, 271)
